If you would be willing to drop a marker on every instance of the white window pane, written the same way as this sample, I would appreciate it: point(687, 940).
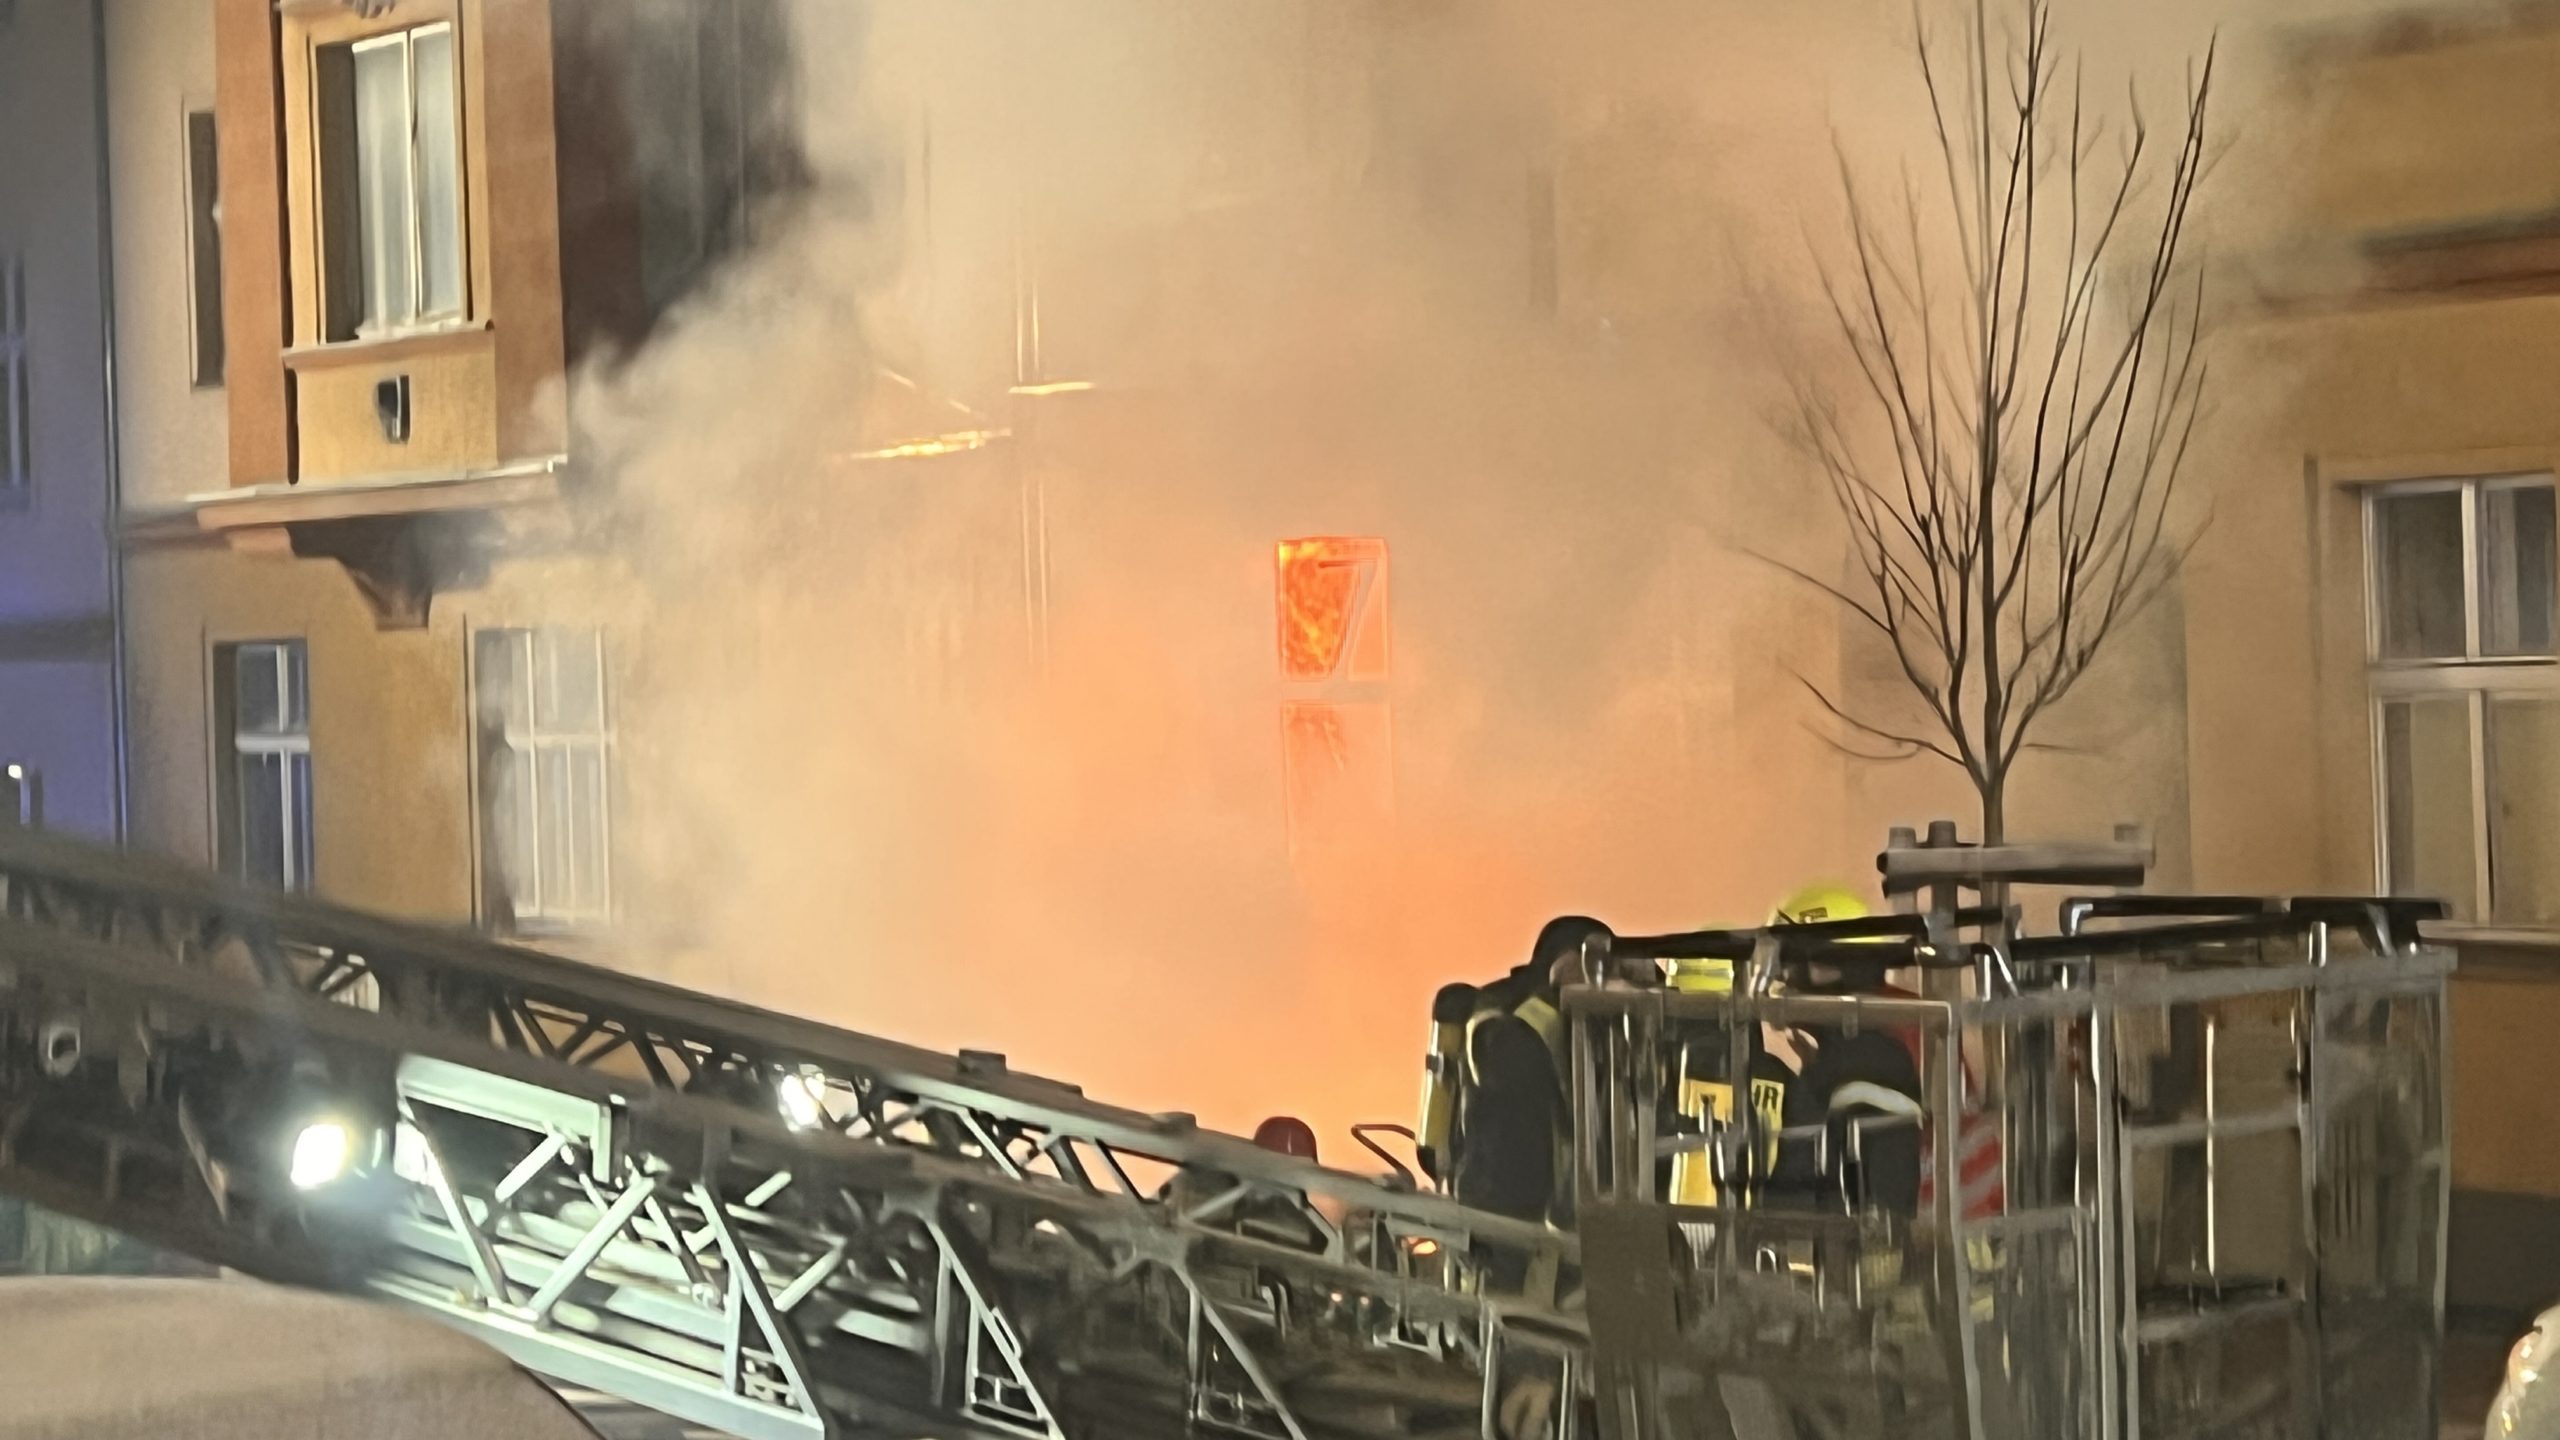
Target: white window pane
point(439, 191)
point(551, 824)
point(498, 677)
point(545, 765)
point(512, 832)
point(2428, 818)
point(587, 816)
point(572, 696)
point(2516, 552)
point(2418, 575)
point(2524, 811)
point(513, 797)
point(546, 680)
point(387, 220)
point(298, 812)
point(296, 696)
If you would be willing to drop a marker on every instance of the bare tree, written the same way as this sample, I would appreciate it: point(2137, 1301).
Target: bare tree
point(2022, 385)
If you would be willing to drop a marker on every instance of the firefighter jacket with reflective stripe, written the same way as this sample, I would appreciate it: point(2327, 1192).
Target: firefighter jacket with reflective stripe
point(1513, 1122)
point(1854, 1121)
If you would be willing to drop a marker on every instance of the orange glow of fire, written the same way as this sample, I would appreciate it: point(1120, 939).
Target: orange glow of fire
point(1320, 582)
point(1317, 740)
point(957, 443)
point(1315, 608)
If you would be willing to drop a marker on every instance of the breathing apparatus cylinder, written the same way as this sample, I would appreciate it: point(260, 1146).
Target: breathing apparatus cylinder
point(1715, 1173)
point(1740, 1150)
point(1444, 1075)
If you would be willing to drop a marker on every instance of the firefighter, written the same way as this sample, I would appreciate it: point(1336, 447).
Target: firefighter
point(1859, 1088)
point(1505, 1151)
point(1795, 1083)
point(1704, 1174)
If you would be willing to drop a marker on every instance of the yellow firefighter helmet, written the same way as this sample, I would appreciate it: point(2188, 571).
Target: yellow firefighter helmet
point(1816, 903)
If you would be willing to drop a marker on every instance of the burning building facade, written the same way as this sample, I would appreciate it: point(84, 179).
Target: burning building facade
point(660, 537)
point(343, 688)
point(985, 513)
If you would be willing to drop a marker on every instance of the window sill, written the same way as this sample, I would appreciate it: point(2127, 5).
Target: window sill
point(2458, 662)
point(586, 944)
point(381, 349)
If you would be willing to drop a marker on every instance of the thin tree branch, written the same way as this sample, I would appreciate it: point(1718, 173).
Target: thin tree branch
point(2027, 509)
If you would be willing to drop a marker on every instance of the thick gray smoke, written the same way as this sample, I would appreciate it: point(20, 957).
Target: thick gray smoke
point(982, 747)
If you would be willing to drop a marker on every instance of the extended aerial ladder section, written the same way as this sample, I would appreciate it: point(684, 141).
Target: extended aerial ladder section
point(754, 1222)
point(2218, 1126)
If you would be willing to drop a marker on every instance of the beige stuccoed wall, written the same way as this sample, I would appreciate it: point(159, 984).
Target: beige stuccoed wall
point(2413, 136)
point(171, 432)
point(390, 729)
point(2282, 742)
point(390, 818)
point(2406, 137)
point(2375, 134)
point(2283, 746)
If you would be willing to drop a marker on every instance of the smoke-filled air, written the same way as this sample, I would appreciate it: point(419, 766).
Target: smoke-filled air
point(966, 698)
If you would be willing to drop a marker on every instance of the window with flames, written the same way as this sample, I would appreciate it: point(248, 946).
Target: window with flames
point(1336, 721)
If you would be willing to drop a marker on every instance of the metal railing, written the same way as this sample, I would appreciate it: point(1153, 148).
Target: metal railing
point(748, 1220)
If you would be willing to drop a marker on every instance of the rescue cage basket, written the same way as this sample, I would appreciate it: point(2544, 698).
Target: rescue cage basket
point(2181, 1178)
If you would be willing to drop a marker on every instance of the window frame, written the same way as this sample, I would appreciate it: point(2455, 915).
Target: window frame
point(1331, 701)
point(536, 919)
point(2480, 679)
point(298, 865)
point(341, 244)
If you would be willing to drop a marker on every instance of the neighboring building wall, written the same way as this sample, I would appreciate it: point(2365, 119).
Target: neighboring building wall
point(390, 807)
point(483, 383)
point(2403, 347)
point(2411, 337)
point(58, 715)
point(171, 420)
point(1314, 291)
point(380, 553)
point(57, 579)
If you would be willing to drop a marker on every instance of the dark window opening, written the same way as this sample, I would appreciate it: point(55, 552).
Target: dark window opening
point(262, 698)
point(16, 418)
point(204, 246)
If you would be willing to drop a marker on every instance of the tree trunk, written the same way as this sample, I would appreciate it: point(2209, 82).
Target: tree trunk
point(1995, 810)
